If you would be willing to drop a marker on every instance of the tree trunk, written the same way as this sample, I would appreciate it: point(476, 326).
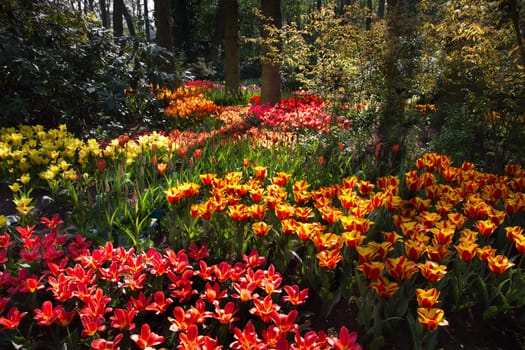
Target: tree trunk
point(396, 68)
point(118, 10)
point(368, 21)
point(146, 21)
point(104, 14)
point(271, 76)
point(381, 9)
point(129, 21)
point(164, 22)
point(232, 74)
point(218, 33)
point(515, 17)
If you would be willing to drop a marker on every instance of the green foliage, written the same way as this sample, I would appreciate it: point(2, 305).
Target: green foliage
point(471, 60)
point(60, 67)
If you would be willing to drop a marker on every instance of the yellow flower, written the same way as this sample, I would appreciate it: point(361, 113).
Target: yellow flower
point(23, 204)
point(432, 318)
point(15, 187)
point(3, 220)
point(24, 179)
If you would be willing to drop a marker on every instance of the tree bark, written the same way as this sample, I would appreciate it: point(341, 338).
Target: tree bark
point(129, 20)
point(381, 9)
point(368, 21)
point(218, 33)
point(515, 17)
point(232, 74)
point(146, 21)
point(104, 14)
point(271, 76)
point(118, 10)
point(164, 22)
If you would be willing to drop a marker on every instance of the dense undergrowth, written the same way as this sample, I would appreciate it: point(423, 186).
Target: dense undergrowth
point(227, 233)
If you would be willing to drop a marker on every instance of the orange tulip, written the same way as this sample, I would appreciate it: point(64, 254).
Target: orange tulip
point(261, 228)
point(519, 242)
point(284, 211)
point(485, 227)
point(437, 252)
point(384, 288)
point(366, 253)
point(432, 318)
point(401, 268)
point(466, 250)
point(427, 298)
point(257, 211)
point(499, 263)
point(257, 194)
point(485, 252)
point(289, 226)
point(443, 236)
point(281, 179)
point(303, 213)
point(327, 241)
point(414, 249)
point(371, 269)
point(330, 214)
point(352, 238)
point(238, 212)
point(260, 172)
point(512, 232)
point(329, 258)
point(432, 271)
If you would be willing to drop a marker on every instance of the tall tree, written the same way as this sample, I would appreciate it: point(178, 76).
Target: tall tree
point(381, 9)
point(146, 21)
point(164, 22)
point(232, 71)
point(271, 76)
point(104, 13)
point(398, 72)
point(118, 11)
point(218, 32)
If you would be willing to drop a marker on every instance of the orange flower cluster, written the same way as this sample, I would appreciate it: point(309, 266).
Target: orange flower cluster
point(425, 108)
point(453, 212)
point(187, 101)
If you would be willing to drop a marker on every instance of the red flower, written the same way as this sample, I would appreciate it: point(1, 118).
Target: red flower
point(64, 317)
point(46, 315)
point(499, 263)
point(147, 339)
point(160, 303)
point(264, 308)
point(197, 253)
point(285, 322)
point(253, 260)
point(123, 319)
point(103, 344)
point(295, 295)
point(225, 315)
point(14, 316)
point(345, 341)
point(92, 324)
point(247, 339)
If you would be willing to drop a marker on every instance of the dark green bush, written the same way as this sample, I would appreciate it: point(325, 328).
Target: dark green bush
point(59, 66)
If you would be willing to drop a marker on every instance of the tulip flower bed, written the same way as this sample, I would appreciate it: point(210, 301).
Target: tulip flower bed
point(59, 291)
point(168, 223)
point(296, 114)
point(187, 105)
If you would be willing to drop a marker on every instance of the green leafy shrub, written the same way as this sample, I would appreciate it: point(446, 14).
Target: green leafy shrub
point(59, 66)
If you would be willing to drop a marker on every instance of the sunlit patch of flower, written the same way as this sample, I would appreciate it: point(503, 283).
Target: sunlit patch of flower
point(187, 101)
point(295, 114)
